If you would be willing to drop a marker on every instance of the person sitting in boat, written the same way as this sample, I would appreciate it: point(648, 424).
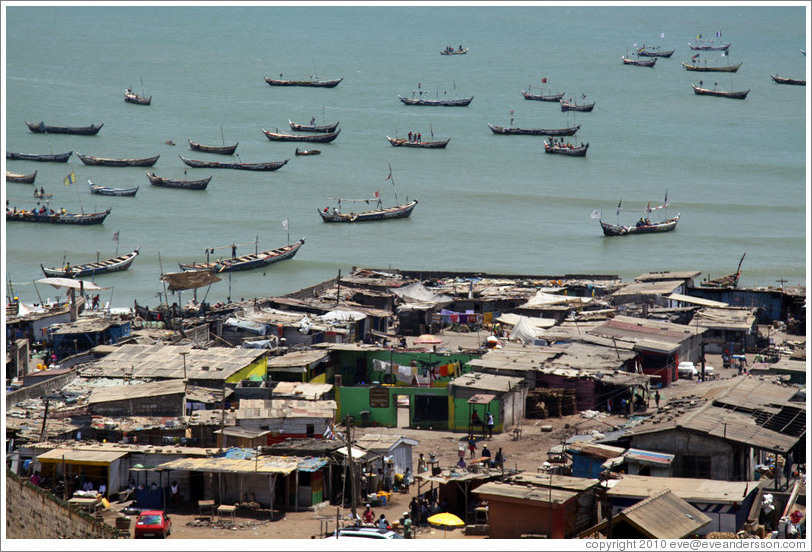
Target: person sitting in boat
point(648, 222)
point(460, 47)
point(62, 211)
point(312, 121)
point(326, 209)
point(640, 222)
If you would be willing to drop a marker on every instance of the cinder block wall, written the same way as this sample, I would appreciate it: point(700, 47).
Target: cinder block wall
point(31, 513)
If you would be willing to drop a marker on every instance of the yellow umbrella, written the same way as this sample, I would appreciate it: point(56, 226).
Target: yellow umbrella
point(445, 521)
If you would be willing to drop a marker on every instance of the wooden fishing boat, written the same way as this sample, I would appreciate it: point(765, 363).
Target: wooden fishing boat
point(41, 128)
point(312, 127)
point(721, 93)
point(78, 219)
point(382, 213)
point(108, 191)
point(711, 68)
point(247, 262)
point(315, 82)
point(461, 102)
point(222, 150)
point(269, 166)
point(784, 80)
point(643, 226)
point(21, 178)
point(640, 62)
point(574, 106)
point(156, 180)
point(727, 281)
point(572, 151)
point(654, 227)
point(453, 52)
point(307, 152)
point(709, 45)
point(542, 97)
point(132, 97)
point(111, 162)
point(654, 52)
point(318, 138)
point(116, 264)
point(569, 131)
point(429, 144)
point(52, 157)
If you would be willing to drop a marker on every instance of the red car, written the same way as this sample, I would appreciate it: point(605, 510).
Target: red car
point(153, 523)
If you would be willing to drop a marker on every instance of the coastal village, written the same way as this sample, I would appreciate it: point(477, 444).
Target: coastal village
point(504, 406)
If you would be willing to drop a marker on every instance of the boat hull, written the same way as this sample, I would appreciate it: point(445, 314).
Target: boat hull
point(720, 93)
point(110, 162)
point(655, 53)
point(399, 211)
point(270, 166)
point(312, 128)
point(575, 107)
point(138, 100)
point(248, 262)
point(156, 180)
point(42, 128)
point(93, 269)
point(784, 80)
point(75, 219)
point(21, 178)
point(108, 191)
point(619, 230)
point(711, 69)
point(639, 62)
point(570, 131)
point(571, 152)
point(314, 138)
point(331, 83)
point(433, 144)
point(221, 150)
point(53, 158)
point(462, 102)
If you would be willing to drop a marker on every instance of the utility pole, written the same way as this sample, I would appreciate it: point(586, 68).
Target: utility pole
point(223, 418)
point(351, 463)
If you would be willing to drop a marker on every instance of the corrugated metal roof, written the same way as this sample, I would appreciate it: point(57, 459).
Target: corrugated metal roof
point(645, 333)
point(649, 456)
point(378, 442)
point(265, 465)
point(565, 482)
point(285, 408)
point(311, 464)
point(596, 450)
point(85, 326)
point(732, 318)
point(531, 493)
point(165, 362)
point(695, 300)
point(649, 514)
point(651, 287)
point(297, 358)
point(485, 382)
point(668, 275)
point(243, 432)
point(136, 391)
point(81, 456)
point(310, 391)
point(690, 489)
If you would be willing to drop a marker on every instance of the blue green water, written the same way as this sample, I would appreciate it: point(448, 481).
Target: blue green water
point(735, 170)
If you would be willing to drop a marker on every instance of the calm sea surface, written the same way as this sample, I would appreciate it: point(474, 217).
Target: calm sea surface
point(735, 170)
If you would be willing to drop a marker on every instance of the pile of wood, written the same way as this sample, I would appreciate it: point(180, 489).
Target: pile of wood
point(550, 403)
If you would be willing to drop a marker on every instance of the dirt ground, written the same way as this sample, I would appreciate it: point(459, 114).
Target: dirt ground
point(525, 453)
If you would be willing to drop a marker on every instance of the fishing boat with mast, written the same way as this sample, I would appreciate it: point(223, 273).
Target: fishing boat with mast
point(317, 138)
point(451, 51)
point(244, 262)
point(654, 51)
point(116, 264)
point(76, 219)
point(710, 44)
point(133, 98)
point(108, 191)
point(543, 95)
point(639, 62)
point(113, 162)
point(712, 68)
point(511, 130)
point(569, 105)
point(643, 226)
point(21, 178)
point(162, 182)
point(313, 82)
point(699, 90)
point(785, 80)
point(460, 102)
point(48, 157)
point(221, 150)
point(267, 166)
point(313, 127)
point(42, 128)
point(727, 281)
point(559, 147)
point(416, 141)
point(379, 213)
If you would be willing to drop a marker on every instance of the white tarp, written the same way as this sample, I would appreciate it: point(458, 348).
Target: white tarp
point(248, 325)
point(546, 299)
point(524, 331)
point(343, 316)
point(511, 319)
point(418, 293)
point(70, 283)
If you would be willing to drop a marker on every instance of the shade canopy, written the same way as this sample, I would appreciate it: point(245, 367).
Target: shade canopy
point(428, 339)
point(70, 283)
point(445, 520)
point(192, 279)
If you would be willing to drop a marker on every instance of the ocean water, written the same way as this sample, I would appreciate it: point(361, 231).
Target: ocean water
point(735, 170)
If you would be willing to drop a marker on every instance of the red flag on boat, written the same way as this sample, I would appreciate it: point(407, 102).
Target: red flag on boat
point(544, 80)
point(377, 194)
point(695, 56)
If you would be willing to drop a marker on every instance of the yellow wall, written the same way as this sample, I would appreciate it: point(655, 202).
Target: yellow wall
point(259, 368)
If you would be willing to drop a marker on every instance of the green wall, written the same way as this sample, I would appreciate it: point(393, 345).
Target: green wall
point(458, 414)
point(351, 401)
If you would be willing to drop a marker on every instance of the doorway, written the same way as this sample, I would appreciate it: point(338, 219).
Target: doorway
point(403, 406)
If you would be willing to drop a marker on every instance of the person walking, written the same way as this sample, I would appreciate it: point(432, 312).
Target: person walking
point(657, 398)
point(500, 460)
point(490, 425)
point(408, 530)
point(472, 446)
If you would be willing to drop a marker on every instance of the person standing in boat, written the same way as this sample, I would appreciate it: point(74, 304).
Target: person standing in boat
point(233, 250)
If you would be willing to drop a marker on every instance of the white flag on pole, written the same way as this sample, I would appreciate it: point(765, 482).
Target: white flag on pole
point(596, 214)
point(285, 224)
